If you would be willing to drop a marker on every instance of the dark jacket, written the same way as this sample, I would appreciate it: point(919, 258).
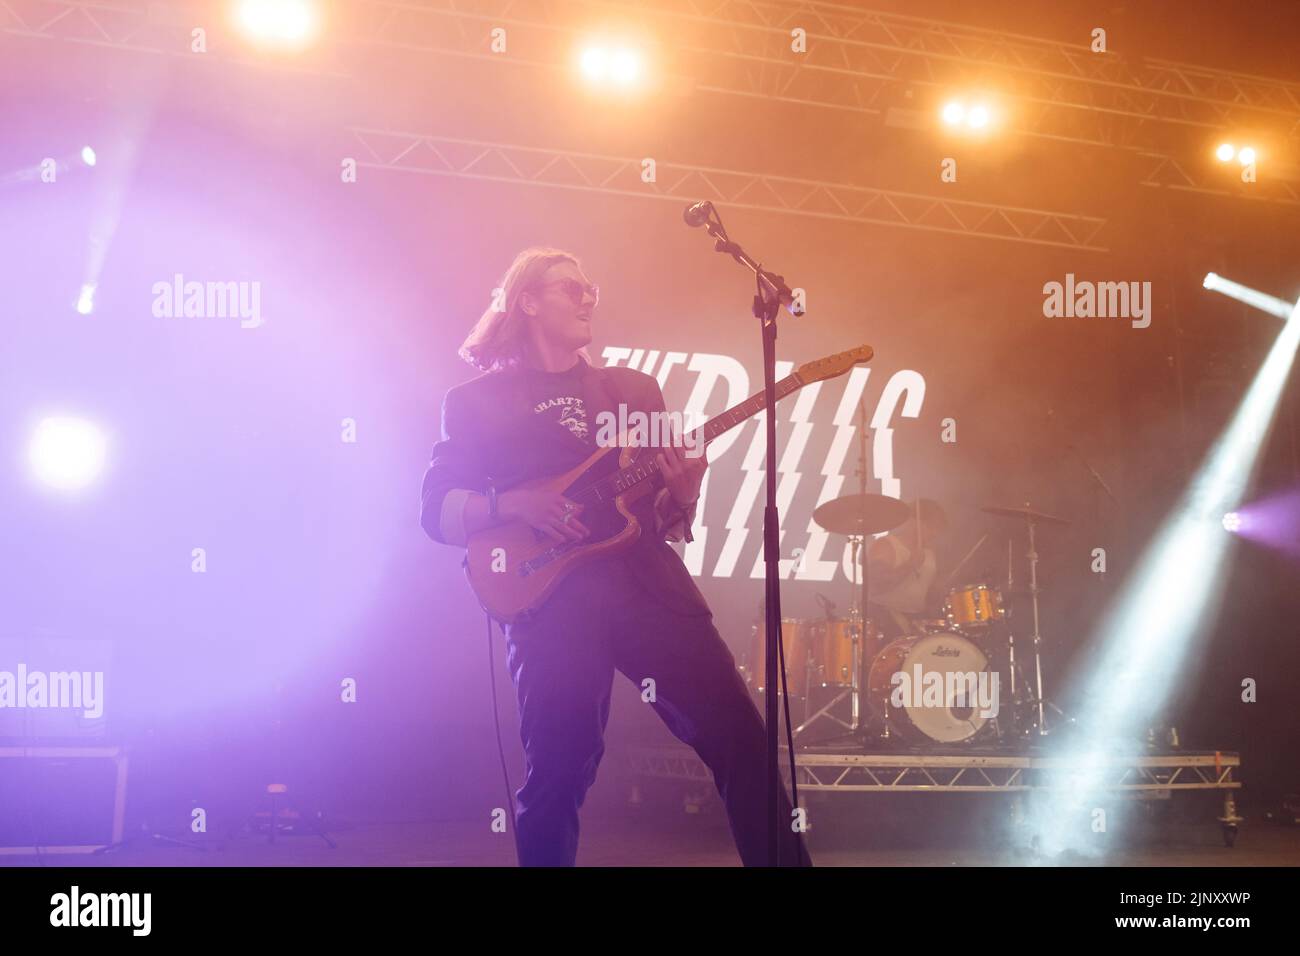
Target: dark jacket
point(489, 431)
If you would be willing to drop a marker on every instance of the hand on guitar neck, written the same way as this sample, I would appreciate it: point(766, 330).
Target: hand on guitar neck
point(682, 473)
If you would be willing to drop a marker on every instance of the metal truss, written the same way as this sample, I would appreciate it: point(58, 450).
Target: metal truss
point(962, 773)
point(143, 26)
point(1166, 172)
point(622, 176)
point(845, 772)
point(856, 59)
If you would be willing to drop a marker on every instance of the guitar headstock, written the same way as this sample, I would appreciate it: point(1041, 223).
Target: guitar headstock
point(833, 365)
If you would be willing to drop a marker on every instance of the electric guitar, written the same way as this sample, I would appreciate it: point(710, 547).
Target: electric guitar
point(513, 567)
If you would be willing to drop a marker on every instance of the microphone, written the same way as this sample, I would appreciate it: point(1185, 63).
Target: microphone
point(773, 285)
point(697, 214)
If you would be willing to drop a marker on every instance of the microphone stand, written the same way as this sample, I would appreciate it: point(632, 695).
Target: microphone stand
point(772, 293)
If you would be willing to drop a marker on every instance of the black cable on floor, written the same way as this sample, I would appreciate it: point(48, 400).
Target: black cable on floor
point(789, 738)
point(496, 720)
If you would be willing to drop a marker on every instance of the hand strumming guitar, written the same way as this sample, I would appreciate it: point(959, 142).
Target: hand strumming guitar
point(547, 511)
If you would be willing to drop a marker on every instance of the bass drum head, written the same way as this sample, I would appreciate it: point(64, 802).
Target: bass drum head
point(935, 688)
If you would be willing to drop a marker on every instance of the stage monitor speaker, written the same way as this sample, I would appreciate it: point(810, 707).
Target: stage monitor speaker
point(61, 799)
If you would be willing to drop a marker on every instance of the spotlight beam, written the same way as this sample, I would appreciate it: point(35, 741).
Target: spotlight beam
point(1259, 300)
point(1146, 640)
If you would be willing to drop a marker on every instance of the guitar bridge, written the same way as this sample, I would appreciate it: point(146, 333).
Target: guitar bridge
point(535, 564)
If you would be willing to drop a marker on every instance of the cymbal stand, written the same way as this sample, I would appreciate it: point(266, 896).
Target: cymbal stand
point(859, 543)
point(1036, 639)
point(1039, 701)
point(1011, 631)
point(857, 631)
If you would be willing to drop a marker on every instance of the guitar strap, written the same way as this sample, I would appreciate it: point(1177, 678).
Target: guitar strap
point(612, 390)
point(612, 395)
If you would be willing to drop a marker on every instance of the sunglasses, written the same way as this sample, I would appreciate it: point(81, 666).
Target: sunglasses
point(574, 289)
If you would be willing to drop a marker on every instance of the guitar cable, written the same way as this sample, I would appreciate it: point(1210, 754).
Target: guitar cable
point(496, 720)
point(789, 738)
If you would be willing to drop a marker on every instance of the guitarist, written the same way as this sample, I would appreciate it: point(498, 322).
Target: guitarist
point(533, 413)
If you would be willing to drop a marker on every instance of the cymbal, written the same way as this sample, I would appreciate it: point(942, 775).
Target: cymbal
point(861, 514)
point(1025, 512)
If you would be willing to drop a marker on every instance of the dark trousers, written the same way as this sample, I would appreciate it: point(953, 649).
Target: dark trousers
point(562, 662)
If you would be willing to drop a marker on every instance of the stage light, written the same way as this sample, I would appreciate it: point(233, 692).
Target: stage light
point(86, 300)
point(595, 63)
point(287, 24)
point(612, 66)
point(66, 453)
point(1232, 521)
point(1147, 638)
point(88, 156)
point(1225, 152)
point(1246, 156)
point(1259, 300)
point(1273, 522)
point(624, 67)
point(971, 115)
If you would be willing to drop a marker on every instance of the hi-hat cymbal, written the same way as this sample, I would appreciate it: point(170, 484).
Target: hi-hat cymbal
point(861, 514)
point(1025, 512)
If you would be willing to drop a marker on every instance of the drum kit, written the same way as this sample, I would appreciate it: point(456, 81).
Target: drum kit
point(940, 682)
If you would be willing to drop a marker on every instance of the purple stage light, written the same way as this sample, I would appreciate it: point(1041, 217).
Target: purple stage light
point(1273, 522)
point(67, 453)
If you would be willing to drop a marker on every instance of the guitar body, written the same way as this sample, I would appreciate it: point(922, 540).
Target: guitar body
point(513, 568)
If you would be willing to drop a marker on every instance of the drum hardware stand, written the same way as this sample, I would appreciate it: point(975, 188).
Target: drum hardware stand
point(1037, 638)
point(858, 518)
point(858, 629)
point(857, 632)
point(1038, 701)
point(1011, 632)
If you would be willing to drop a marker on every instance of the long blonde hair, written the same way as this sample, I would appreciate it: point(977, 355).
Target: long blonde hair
point(496, 341)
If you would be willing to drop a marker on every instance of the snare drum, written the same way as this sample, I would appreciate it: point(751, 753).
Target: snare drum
point(973, 607)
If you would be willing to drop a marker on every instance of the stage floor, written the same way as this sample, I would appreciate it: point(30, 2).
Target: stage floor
point(676, 838)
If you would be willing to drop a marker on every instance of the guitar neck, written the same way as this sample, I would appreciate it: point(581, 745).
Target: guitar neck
point(646, 470)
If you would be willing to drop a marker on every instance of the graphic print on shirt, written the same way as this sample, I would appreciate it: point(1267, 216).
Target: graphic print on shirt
point(566, 410)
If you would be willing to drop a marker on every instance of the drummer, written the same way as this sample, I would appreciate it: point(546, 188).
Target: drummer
point(903, 569)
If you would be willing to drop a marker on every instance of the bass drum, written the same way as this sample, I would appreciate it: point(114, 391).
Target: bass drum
point(934, 689)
